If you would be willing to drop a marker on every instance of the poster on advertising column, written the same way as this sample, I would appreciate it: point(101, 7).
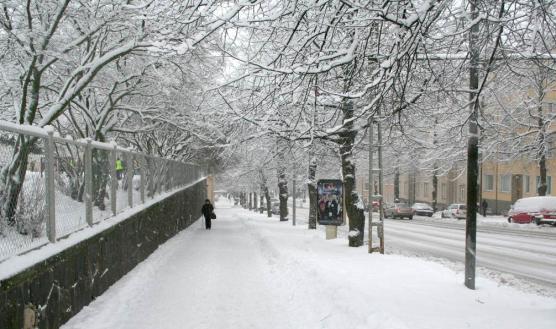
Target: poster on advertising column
point(330, 202)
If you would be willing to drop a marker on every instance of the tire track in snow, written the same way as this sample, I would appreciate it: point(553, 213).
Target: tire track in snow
point(446, 244)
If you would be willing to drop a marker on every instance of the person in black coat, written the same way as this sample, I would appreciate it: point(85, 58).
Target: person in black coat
point(484, 205)
point(207, 211)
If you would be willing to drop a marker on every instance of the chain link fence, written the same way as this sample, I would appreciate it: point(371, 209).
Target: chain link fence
point(51, 187)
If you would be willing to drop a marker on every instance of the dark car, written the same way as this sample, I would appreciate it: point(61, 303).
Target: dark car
point(422, 209)
point(398, 210)
point(539, 209)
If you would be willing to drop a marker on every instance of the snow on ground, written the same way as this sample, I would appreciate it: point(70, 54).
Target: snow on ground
point(251, 271)
point(517, 255)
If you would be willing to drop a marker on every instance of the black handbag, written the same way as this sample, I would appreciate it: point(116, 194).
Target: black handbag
point(213, 215)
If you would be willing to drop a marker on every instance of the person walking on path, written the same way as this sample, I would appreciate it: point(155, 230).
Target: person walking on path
point(207, 211)
point(484, 205)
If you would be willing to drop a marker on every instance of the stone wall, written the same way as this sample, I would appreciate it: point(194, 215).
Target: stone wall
point(52, 291)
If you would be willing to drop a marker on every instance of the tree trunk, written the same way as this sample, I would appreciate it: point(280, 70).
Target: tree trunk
point(396, 184)
point(268, 205)
point(255, 201)
point(434, 191)
point(355, 213)
point(264, 189)
point(542, 186)
point(312, 188)
point(283, 192)
point(13, 176)
point(261, 202)
point(101, 176)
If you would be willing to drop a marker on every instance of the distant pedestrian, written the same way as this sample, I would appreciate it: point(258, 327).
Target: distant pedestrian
point(119, 169)
point(484, 207)
point(208, 211)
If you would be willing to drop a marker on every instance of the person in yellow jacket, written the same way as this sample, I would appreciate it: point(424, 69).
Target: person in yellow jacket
point(119, 168)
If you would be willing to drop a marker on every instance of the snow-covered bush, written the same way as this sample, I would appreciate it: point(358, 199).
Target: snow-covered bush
point(31, 213)
point(63, 183)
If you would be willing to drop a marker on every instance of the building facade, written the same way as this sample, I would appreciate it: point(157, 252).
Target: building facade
point(502, 183)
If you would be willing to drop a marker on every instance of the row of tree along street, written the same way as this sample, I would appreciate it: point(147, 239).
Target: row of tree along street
point(271, 90)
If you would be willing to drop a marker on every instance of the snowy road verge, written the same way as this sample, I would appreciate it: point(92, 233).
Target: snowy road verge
point(522, 256)
point(251, 271)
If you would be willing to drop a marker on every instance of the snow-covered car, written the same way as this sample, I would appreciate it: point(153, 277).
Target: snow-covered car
point(398, 210)
point(422, 209)
point(455, 210)
point(537, 209)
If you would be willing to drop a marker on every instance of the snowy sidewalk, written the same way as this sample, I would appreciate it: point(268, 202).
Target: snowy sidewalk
point(250, 271)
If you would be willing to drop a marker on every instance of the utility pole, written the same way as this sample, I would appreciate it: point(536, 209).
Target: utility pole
point(380, 224)
point(472, 152)
point(370, 182)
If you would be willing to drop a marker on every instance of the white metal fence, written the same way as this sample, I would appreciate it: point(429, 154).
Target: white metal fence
point(51, 186)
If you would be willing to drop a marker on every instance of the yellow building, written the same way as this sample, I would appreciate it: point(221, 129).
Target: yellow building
point(418, 187)
point(505, 182)
point(502, 183)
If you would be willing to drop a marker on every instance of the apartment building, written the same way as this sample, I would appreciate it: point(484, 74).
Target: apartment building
point(501, 184)
point(417, 187)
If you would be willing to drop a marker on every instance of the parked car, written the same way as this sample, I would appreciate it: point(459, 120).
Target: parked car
point(398, 210)
point(375, 204)
point(455, 210)
point(538, 209)
point(422, 209)
point(275, 207)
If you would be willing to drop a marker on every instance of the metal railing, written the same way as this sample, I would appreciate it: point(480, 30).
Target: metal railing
point(51, 186)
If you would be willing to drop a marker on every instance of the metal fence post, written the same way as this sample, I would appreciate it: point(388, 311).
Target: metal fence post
point(150, 187)
point(50, 191)
point(89, 183)
point(113, 180)
point(143, 178)
point(167, 173)
point(129, 174)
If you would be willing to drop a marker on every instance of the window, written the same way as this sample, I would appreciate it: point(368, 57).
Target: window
point(489, 183)
point(548, 184)
point(527, 184)
point(505, 183)
point(462, 193)
point(425, 189)
point(443, 191)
